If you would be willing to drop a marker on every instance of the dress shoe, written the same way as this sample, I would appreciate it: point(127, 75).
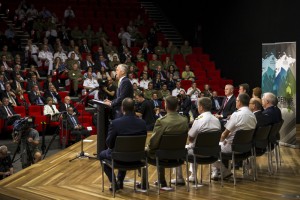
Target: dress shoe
point(120, 184)
point(116, 187)
point(226, 174)
point(180, 181)
point(139, 186)
point(162, 184)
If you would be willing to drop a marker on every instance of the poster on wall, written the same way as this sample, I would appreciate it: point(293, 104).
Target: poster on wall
point(279, 77)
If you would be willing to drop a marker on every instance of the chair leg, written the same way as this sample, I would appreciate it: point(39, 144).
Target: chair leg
point(254, 164)
point(209, 173)
point(102, 170)
point(187, 173)
point(233, 163)
point(276, 156)
point(113, 178)
point(147, 182)
point(175, 177)
point(221, 169)
point(158, 175)
point(279, 155)
point(134, 181)
point(195, 173)
point(201, 173)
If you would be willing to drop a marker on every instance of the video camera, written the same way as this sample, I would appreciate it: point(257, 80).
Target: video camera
point(102, 83)
point(23, 124)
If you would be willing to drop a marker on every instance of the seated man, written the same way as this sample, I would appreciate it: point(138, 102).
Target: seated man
point(127, 125)
point(171, 123)
point(269, 102)
point(203, 123)
point(7, 113)
point(74, 125)
point(6, 167)
point(242, 119)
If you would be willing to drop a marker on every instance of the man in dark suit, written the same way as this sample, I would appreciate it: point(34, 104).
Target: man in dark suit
point(127, 125)
point(35, 96)
point(124, 90)
point(63, 106)
point(228, 104)
point(269, 102)
point(216, 102)
point(53, 94)
point(255, 105)
point(75, 126)
point(7, 113)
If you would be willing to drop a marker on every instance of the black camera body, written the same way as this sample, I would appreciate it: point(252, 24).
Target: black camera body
point(23, 124)
point(102, 83)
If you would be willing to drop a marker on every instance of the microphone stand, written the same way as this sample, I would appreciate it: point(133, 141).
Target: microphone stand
point(82, 154)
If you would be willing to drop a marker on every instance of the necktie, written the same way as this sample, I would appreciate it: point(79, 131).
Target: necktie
point(38, 100)
point(8, 111)
point(225, 102)
point(54, 98)
point(11, 99)
point(73, 121)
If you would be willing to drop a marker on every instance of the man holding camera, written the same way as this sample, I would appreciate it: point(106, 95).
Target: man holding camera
point(30, 140)
point(110, 89)
point(184, 104)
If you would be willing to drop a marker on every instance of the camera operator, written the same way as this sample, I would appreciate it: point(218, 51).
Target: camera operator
point(108, 90)
point(184, 104)
point(6, 167)
point(30, 137)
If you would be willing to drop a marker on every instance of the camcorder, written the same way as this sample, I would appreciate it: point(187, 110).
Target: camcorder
point(102, 83)
point(20, 126)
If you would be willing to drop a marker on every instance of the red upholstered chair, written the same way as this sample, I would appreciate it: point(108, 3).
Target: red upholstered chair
point(20, 110)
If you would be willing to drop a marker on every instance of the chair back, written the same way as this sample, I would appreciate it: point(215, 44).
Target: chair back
point(242, 141)
point(261, 135)
point(172, 146)
point(129, 148)
point(207, 143)
point(274, 132)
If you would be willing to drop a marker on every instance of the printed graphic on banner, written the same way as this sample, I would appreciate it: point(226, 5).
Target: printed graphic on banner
point(279, 77)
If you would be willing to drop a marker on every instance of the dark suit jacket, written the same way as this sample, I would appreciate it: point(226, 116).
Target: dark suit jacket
point(33, 97)
point(229, 108)
point(126, 125)
point(48, 94)
point(14, 85)
point(84, 64)
point(4, 114)
point(30, 84)
point(262, 119)
point(62, 108)
point(274, 113)
point(213, 108)
point(4, 94)
point(125, 90)
point(71, 125)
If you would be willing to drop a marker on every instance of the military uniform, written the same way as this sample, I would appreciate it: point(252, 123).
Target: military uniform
point(169, 124)
point(159, 50)
point(165, 94)
point(74, 75)
point(154, 63)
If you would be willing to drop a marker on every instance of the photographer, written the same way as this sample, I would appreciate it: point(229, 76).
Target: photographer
point(108, 90)
point(30, 138)
point(184, 104)
point(6, 167)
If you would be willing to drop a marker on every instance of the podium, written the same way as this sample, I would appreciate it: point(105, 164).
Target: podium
point(102, 125)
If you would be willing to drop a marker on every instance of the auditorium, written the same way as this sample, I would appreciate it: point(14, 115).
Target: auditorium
point(148, 99)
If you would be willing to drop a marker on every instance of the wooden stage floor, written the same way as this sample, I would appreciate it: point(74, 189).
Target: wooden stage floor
point(57, 178)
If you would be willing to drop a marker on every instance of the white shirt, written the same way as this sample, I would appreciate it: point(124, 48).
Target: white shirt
point(47, 55)
point(92, 83)
point(242, 119)
point(34, 49)
point(203, 123)
point(176, 91)
point(62, 56)
point(194, 95)
point(144, 84)
point(134, 81)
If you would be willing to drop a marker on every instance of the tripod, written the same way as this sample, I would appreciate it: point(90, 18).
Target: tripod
point(81, 154)
point(51, 141)
point(29, 158)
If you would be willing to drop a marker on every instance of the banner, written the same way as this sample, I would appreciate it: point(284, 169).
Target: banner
point(279, 77)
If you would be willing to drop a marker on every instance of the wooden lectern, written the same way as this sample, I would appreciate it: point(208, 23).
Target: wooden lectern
point(102, 125)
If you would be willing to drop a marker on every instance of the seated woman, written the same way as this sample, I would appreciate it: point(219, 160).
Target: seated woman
point(173, 71)
point(89, 69)
point(50, 109)
point(102, 74)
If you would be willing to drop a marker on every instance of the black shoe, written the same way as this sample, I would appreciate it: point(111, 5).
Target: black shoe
point(162, 184)
point(120, 184)
point(116, 187)
point(139, 186)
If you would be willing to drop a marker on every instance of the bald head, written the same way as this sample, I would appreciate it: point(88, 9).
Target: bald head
point(255, 104)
